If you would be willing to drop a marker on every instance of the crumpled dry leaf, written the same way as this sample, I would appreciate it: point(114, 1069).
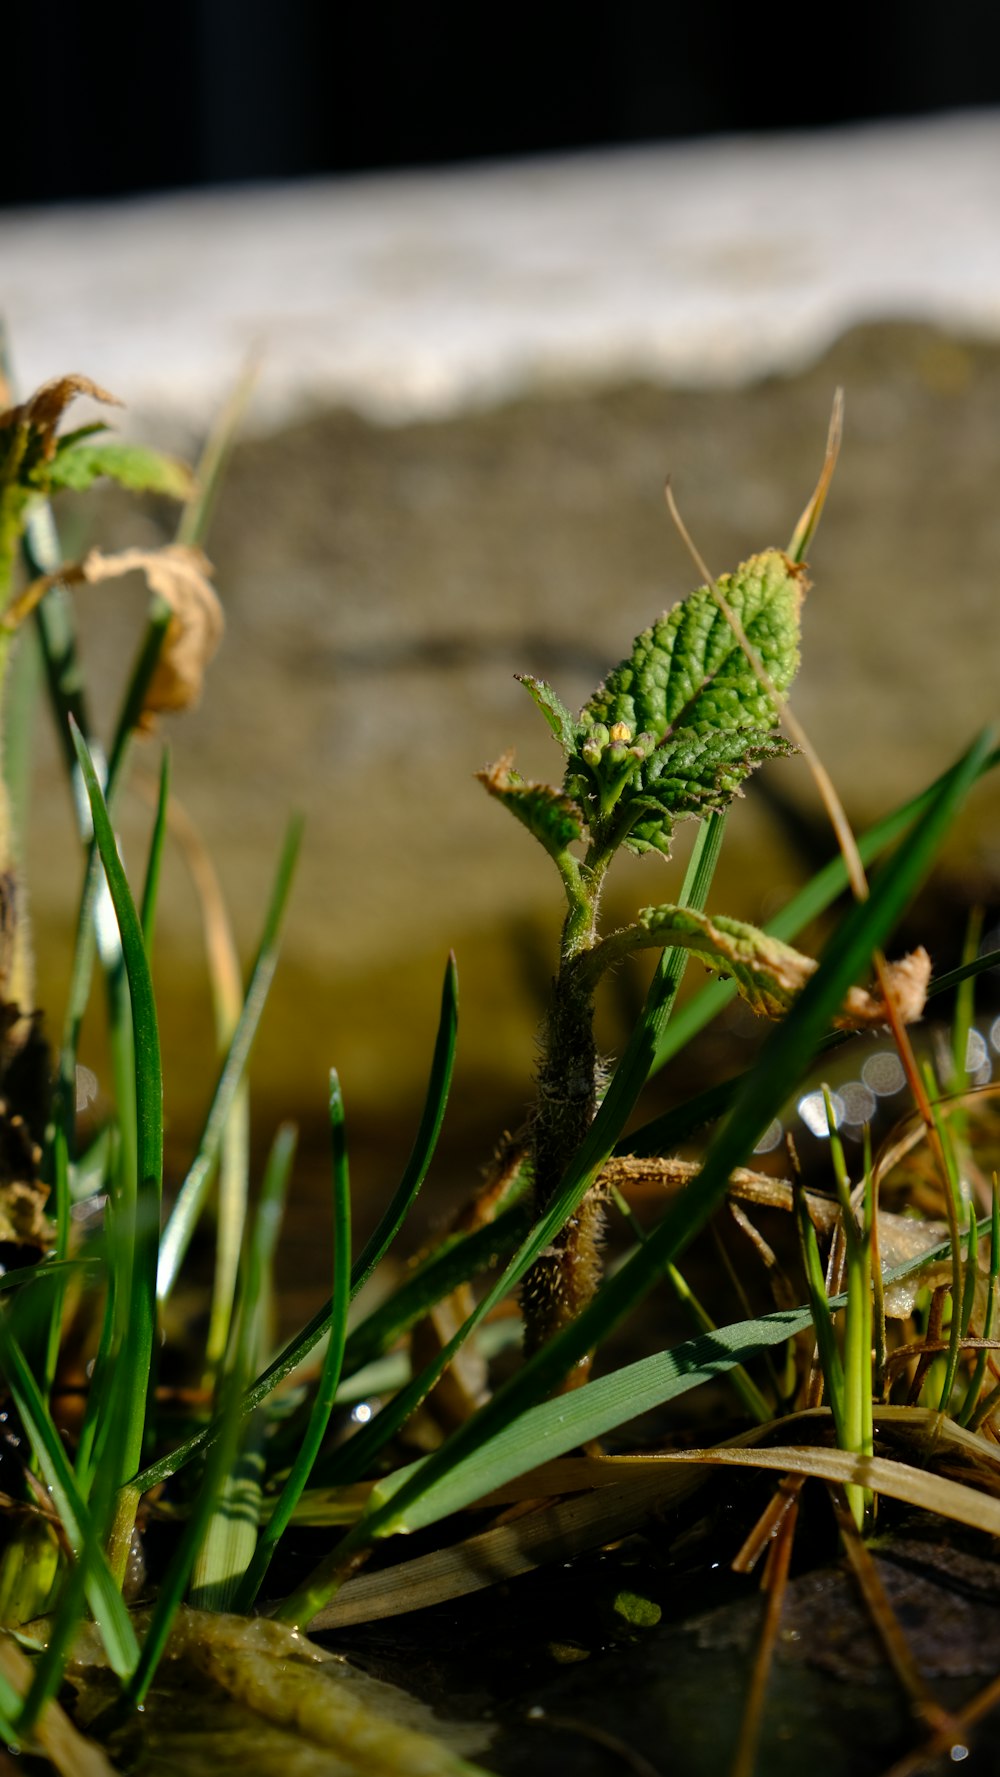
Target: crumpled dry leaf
point(177, 573)
point(907, 979)
point(44, 409)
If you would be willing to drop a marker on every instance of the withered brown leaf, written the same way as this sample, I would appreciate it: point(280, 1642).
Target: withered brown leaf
point(177, 573)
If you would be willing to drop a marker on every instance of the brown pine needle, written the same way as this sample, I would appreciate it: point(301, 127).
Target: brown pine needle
point(776, 1582)
point(887, 1625)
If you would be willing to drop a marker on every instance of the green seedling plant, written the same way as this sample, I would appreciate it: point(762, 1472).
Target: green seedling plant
point(673, 734)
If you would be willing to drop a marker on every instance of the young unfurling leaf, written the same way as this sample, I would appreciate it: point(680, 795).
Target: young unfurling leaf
point(688, 700)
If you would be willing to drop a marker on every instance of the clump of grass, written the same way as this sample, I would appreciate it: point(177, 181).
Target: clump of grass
point(673, 733)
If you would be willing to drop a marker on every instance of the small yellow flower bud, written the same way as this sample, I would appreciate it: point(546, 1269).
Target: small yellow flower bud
point(621, 731)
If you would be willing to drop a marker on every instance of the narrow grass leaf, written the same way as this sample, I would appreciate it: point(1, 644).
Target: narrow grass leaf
point(222, 1455)
point(194, 1191)
point(151, 886)
point(103, 1595)
point(432, 1117)
point(139, 1335)
point(817, 895)
point(229, 1542)
point(326, 1392)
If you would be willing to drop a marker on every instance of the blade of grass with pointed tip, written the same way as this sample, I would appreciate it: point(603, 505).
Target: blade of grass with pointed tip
point(326, 1391)
point(787, 1050)
point(674, 1126)
point(807, 905)
point(414, 1175)
point(138, 1335)
point(415, 1171)
point(194, 1191)
point(626, 1083)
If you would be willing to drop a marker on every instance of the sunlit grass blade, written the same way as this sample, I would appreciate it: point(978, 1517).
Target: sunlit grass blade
point(227, 1547)
point(785, 1054)
point(626, 1084)
point(415, 1172)
point(971, 1401)
point(326, 1392)
point(822, 1318)
point(667, 1131)
point(817, 895)
point(226, 984)
point(194, 1191)
point(103, 1595)
point(138, 1223)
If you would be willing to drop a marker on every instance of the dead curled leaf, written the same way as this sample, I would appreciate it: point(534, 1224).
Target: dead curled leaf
point(44, 409)
point(907, 981)
point(177, 573)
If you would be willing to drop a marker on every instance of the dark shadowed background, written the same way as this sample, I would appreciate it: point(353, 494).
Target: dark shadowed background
point(135, 97)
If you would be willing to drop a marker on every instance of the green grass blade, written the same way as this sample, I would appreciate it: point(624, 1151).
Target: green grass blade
point(326, 1392)
point(819, 894)
point(555, 1427)
point(822, 1318)
point(103, 1595)
point(228, 1545)
point(415, 1172)
point(151, 886)
point(432, 1117)
point(785, 1054)
point(664, 1133)
point(459, 1260)
point(139, 1331)
point(450, 1265)
point(626, 1084)
point(194, 1191)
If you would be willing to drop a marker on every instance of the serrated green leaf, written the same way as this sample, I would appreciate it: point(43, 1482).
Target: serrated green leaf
point(688, 699)
point(549, 814)
point(553, 709)
point(697, 774)
point(80, 461)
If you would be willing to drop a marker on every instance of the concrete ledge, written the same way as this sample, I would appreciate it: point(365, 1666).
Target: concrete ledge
point(415, 295)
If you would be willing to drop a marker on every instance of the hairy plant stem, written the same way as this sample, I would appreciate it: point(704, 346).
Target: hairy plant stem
point(565, 1276)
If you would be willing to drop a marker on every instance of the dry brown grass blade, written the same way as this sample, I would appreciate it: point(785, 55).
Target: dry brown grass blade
point(553, 1533)
point(805, 530)
point(899, 1480)
point(67, 1750)
point(886, 1623)
point(942, 1743)
point(776, 1583)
